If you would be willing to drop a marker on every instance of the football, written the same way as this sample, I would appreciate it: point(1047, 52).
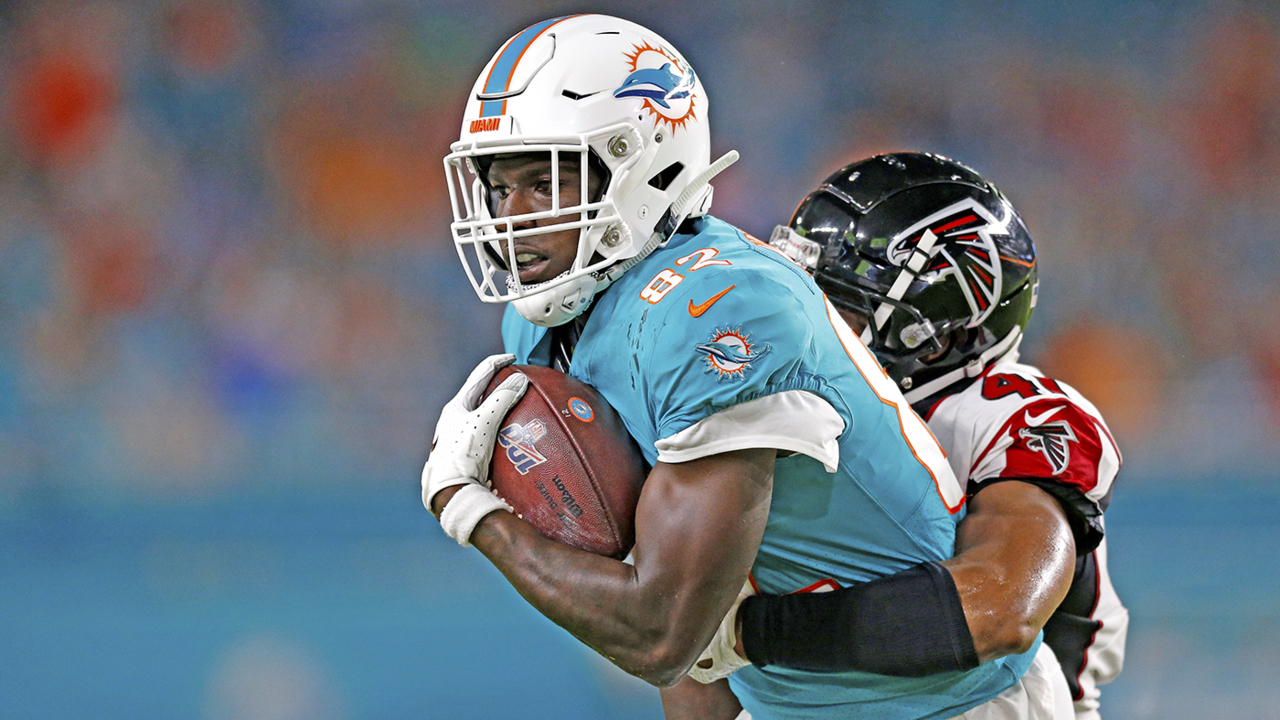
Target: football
point(566, 464)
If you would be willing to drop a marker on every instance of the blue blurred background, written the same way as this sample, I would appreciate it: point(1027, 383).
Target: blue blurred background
point(230, 312)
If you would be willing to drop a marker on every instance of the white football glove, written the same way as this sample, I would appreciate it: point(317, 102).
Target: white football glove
point(724, 661)
point(463, 447)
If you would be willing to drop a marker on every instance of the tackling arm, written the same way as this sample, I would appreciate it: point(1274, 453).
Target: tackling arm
point(698, 526)
point(1013, 566)
point(1015, 555)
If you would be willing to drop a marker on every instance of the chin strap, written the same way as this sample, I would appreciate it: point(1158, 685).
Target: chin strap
point(671, 220)
point(1005, 350)
point(558, 304)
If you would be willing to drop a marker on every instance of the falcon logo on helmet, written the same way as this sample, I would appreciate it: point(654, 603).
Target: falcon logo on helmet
point(972, 258)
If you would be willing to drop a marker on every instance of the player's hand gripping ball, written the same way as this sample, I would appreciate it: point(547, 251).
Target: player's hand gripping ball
point(463, 447)
point(565, 463)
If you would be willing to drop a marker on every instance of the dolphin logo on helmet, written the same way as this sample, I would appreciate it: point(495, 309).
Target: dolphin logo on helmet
point(657, 84)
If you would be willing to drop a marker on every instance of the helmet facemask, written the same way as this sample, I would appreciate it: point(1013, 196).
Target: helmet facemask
point(488, 245)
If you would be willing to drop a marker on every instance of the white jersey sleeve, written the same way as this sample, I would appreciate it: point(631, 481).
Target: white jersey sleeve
point(1013, 423)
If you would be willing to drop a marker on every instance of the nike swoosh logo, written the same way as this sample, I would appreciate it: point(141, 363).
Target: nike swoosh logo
point(697, 310)
point(1034, 420)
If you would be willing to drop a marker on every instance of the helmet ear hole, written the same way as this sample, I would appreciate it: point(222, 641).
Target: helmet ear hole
point(663, 179)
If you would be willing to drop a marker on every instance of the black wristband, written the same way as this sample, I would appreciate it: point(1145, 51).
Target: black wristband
point(907, 624)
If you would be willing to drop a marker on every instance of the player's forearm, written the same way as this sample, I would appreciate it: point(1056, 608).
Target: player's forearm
point(698, 526)
point(597, 599)
point(1013, 565)
point(1014, 561)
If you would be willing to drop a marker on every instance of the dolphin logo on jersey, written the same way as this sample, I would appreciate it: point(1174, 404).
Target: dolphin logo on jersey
point(519, 441)
point(660, 79)
point(976, 267)
point(725, 354)
point(730, 352)
point(1052, 440)
point(658, 84)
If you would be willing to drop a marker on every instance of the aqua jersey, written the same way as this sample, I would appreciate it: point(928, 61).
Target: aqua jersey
point(667, 346)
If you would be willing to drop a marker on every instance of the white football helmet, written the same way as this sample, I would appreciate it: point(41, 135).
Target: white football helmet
point(606, 93)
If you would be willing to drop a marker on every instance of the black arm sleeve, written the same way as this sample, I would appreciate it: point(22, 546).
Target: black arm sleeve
point(907, 624)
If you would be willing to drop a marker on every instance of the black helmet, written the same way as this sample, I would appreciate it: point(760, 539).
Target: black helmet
point(924, 247)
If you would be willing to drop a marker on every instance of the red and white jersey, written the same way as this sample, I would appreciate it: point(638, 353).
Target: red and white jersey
point(1013, 422)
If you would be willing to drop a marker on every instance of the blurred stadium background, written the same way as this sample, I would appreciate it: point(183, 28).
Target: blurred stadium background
point(230, 313)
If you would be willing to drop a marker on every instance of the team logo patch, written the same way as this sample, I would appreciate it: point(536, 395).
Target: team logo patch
point(519, 442)
point(581, 409)
point(666, 88)
point(1051, 439)
point(730, 352)
point(976, 268)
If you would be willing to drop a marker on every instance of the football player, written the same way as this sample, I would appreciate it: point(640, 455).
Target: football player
point(777, 446)
point(934, 269)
